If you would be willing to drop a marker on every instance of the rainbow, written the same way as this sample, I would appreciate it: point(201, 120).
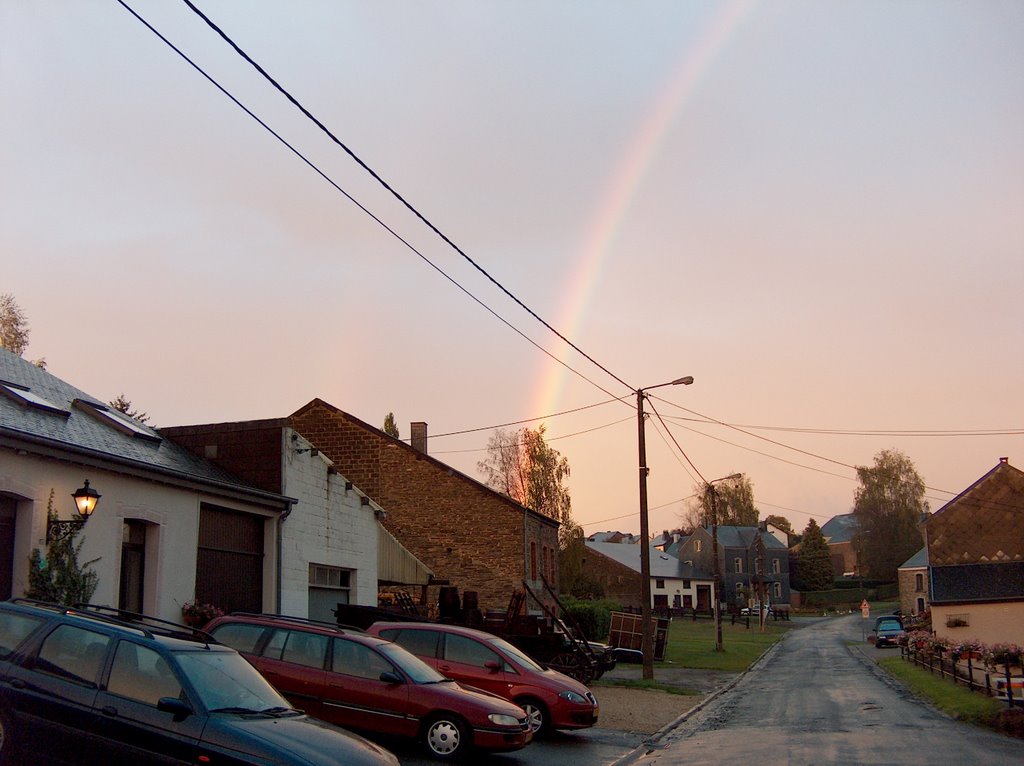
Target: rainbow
point(623, 183)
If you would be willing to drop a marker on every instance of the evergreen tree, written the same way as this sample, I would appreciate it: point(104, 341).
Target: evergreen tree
point(814, 564)
point(121, 404)
point(13, 325)
point(390, 426)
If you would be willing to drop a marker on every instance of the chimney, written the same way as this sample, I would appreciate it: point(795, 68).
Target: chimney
point(418, 436)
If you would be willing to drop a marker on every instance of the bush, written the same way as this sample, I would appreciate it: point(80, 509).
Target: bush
point(593, 617)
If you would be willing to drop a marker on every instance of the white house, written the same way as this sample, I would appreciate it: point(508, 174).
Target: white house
point(167, 523)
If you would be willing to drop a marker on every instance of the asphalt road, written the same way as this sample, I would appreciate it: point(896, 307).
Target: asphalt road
point(812, 701)
point(590, 747)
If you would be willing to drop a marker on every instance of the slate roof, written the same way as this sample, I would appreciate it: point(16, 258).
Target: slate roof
point(840, 529)
point(40, 412)
point(977, 583)
point(918, 561)
point(743, 537)
point(662, 565)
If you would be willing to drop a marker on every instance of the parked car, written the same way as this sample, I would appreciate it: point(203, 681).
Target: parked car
point(363, 682)
point(475, 658)
point(888, 631)
point(94, 686)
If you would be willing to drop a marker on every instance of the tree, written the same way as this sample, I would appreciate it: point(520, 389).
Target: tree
point(521, 465)
point(734, 503)
point(814, 563)
point(59, 578)
point(889, 507)
point(121, 404)
point(390, 427)
point(781, 522)
point(13, 325)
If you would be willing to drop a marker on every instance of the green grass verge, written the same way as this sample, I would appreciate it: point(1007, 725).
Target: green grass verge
point(650, 685)
point(692, 644)
point(956, 701)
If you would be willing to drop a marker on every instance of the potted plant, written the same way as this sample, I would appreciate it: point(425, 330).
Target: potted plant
point(197, 614)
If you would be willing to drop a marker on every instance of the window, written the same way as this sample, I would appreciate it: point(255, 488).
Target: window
point(533, 561)
point(14, 628)
point(777, 590)
point(73, 653)
point(659, 584)
point(737, 565)
point(116, 419)
point(240, 636)
point(133, 566)
point(776, 566)
point(422, 643)
point(696, 546)
point(354, 659)
point(467, 651)
point(661, 602)
point(306, 649)
point(25, 397)
point(141, 674)
point(328, 587)
point(686, 584)
point(919, 582)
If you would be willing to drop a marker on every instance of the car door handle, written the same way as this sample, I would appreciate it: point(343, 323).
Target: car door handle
point(109, 711)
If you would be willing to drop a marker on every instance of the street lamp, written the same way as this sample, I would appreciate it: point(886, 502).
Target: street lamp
point(647, 639)
point(86, 499)
point(716, 576)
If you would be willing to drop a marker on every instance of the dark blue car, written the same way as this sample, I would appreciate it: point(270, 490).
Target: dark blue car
point(888, 631)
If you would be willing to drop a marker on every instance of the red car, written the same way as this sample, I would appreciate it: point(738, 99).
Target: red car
point(362, 682)
point(485, 661)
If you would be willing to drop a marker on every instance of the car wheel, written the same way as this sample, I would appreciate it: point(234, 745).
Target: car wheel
point(446, 737)
point(537, 715)
point(6, 739)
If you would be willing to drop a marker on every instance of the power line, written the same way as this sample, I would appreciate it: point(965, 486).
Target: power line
point(531, 420)
point(549, 439)
point(358, 204)
point(396, 194)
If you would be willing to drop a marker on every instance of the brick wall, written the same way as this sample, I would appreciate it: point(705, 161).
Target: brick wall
point(465, 532)
point(909, 592)
point(620, 582)
point(250, 450)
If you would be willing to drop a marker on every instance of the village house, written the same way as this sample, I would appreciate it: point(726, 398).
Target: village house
point(912, 578)
point(752, 563)
point(838, 533)
point(467, 534)
point(333, 548)
point(975, 548)
point(169, 526)
point(674, 585)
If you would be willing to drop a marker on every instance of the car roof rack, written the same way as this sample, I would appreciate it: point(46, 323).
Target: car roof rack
point(149, 626)
point(299, 620)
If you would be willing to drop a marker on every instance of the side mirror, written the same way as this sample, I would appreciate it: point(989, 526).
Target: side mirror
point(391, 677)
point(181, 710)
point(493, 665)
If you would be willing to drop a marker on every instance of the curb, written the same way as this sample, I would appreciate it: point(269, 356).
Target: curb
point(653, 742)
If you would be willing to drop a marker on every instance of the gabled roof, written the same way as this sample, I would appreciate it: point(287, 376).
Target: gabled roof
point(743, 537)
point(918, 561)
point(984, 524)
point(840, 529)
point(662, 564)
point(42, 414)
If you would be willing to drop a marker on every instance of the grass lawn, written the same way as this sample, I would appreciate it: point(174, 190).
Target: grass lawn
point(956, 701)
point(692, 644)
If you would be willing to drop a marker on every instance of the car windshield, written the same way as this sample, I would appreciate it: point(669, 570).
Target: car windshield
point(516, 654)
point(225, 681)
point(417, 670)
point(889, 624)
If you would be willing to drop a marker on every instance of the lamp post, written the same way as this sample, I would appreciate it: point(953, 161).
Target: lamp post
point(646, 637)
point(86, 499)
point(716, 576)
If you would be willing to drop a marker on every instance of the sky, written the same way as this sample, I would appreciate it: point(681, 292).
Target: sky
point(815, 208)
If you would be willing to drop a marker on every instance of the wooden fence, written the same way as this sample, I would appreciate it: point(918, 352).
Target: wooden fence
point(977, 678)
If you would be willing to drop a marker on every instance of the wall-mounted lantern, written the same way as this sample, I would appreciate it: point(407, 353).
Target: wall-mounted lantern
point(86, 499)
